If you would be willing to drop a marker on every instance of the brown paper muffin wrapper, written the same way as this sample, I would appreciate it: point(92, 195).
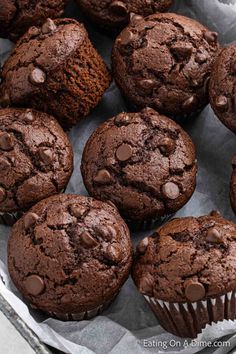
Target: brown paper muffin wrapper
point(86, 315)
point(148, 224)
point(9, 219)
point(190, 318)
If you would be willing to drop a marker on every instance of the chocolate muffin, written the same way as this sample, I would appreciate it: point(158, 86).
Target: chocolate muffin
point(70, 255)
point(36, 160)
point(164, 61)
point(186, 271)
point(116, 14)
point(17, 16)
point(233, 185)
point(54, 68)
point(144, 163)
point(222, 85)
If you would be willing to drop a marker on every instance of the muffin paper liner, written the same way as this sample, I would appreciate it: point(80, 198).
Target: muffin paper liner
point(148, 224)
point(80, 316)
point(188, 319)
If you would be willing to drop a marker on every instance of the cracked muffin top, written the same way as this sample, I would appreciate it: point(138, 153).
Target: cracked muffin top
point(16, 16)
point(233, 185)
point(143, 162)
point(69, 254)
point(222, 87)
point(164, 61)
point(116, 14)
point(36, 158)
point(188, 259)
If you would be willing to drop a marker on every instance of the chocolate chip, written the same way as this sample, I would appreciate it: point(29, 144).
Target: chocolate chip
point(28, 116)
point(194, 290)
point(167, 146)
point(201, 58)
point(3, 194)
point(142, 245)
point(5, 100)
point(146, 85)
point(124, 152)
point(215, 213)
point(222, 103)
point(190, 103)
point(6, 142)
point(234, 162)
point(182, 50)
point(134, 18)
point(118, 8)
point(46, 155)
point(171, 190)
point(210, 37)
point(88, 239)
point(34, 285)
point(103, 177)
point(126, 37)
point(113, 252)
point(146, 284)
point(214, 236)
point(30, 220)
point(77, 210)
point(108, 232)
point(49, 26)
point(122, 119)
point(37, 76)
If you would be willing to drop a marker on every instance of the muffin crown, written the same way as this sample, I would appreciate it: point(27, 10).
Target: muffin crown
point(36, 158)
point(188, 260)
point(143, 162)
point(164, 61)
point(69, 254)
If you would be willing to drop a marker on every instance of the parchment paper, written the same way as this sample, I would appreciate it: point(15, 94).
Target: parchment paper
point(129, 321)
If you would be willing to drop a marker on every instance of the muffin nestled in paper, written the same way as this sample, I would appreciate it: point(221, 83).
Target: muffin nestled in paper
point(186, 271)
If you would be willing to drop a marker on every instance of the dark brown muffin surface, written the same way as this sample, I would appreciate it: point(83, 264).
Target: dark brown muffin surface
point(222, 87)
point(16, 16)
point(116, 14)
point(143, 162)
point(188, 259)
point(233, 185)
point(164, 62)
point(36, 158)
point(69, 254)
point(54, 68)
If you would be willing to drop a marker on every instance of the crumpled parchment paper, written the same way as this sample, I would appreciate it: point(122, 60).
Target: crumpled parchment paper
point(129, 326)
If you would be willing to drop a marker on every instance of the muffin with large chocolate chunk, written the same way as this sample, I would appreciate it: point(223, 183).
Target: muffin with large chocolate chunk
point(164, 61)
point(55, 68)
point(115, 15)
point(70, 255)
point(36, 160)
point(144, 163)
point(222, 87)
point(186, 271)
point(233, 185)
point(17, 16)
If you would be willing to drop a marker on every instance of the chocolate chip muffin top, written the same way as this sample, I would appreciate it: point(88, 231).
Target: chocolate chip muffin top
point(222, 87)
point(69, 254)
point(188, 259)
point(164, 62)
point(36, 158)
point(143, 162)
point(40, 52)
point(116, 14)
point(233, 185)
point(17, 16)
